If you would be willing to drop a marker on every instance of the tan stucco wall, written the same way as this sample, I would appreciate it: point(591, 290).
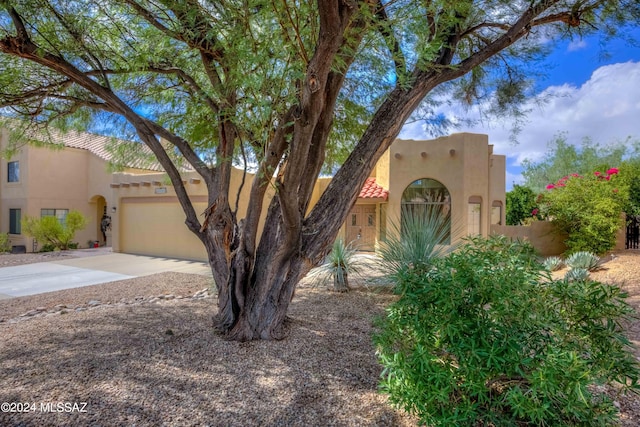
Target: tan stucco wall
point(542, 235)
point(462, 162)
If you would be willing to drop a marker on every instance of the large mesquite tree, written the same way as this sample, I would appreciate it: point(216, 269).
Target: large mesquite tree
point(283, 86)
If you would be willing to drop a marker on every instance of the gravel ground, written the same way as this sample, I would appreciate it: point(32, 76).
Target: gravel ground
point(144, 353)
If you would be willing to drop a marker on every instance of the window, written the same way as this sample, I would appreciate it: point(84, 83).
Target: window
point(14, 172)
point(496, 213)
point(474, 216)
point(425, 200)
point(61, 214)
point(354, 219)
point(14, 221)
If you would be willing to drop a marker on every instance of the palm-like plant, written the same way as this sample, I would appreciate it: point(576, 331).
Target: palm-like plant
point(340, 263)
point(415, 243)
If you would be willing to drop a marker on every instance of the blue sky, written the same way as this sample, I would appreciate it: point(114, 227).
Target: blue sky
point(587, 95)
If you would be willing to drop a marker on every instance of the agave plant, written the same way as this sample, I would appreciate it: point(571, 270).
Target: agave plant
point(576, 274)
point(340, 263)
point(422, 237)
point(553, 263)
point(585, 260)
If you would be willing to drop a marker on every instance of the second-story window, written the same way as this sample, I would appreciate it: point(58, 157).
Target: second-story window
point(13, 172)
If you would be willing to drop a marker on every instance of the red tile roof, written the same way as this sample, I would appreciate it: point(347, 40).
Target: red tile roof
point(371, 190)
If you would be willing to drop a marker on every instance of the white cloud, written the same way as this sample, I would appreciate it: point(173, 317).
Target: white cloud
point(606, 109)
point(577, 45)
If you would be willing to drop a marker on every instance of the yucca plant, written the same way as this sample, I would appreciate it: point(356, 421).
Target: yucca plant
point(422, 237)
point(553, 263)
point(340, 263)
point(583, 259)
point(577, 274)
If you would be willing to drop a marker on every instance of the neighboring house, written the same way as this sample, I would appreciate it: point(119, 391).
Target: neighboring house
point(51, 180)
point(458, 174)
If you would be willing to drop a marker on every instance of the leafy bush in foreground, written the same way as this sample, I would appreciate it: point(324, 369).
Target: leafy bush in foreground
point(481, 339)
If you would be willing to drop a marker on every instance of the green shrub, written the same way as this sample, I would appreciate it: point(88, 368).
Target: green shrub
point(47, 247)
point(49, 231)
point(583, 259)
point(485, 337)
point(553, 263)
point(588, 209)
point(5, 243)
point(521, 205)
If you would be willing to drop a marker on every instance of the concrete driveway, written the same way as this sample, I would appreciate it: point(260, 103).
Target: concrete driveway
point(106, 267)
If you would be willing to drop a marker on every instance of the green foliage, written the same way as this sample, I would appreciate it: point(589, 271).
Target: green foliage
point(417, 242)
point(47, 247)
point(521, 205)
point(49, 231)
point(553, 263)
point(485, 337)
point(630, 176)
point(583, 259)
point(588, 209)
point(340, 264)
point(563, 159)
point(5, 243)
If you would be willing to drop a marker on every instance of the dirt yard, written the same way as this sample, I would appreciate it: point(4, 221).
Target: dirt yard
point(142, 352)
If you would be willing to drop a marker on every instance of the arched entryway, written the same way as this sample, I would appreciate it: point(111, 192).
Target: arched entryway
point(100, 213)
point(427, 197)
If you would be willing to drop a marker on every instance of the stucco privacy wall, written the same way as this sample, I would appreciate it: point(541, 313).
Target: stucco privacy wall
point(150, 221)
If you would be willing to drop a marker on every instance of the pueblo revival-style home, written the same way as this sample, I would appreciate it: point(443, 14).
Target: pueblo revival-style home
point(458, 175)
point(70, 174)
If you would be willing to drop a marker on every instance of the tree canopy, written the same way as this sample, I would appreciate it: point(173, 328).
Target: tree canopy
point(563, 159)
point(285, 87)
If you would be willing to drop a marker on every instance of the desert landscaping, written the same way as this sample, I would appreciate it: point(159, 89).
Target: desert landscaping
point(143, 352)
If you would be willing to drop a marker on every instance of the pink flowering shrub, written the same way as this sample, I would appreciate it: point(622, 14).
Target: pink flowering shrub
point(587, 208)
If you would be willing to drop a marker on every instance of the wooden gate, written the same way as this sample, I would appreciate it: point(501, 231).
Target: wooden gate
point(361, 227)
point(632, 240)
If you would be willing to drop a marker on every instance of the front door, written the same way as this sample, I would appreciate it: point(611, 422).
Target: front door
point(361, 227)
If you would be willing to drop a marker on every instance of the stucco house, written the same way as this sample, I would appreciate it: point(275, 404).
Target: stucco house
point(53, 180)
point(458, 174)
